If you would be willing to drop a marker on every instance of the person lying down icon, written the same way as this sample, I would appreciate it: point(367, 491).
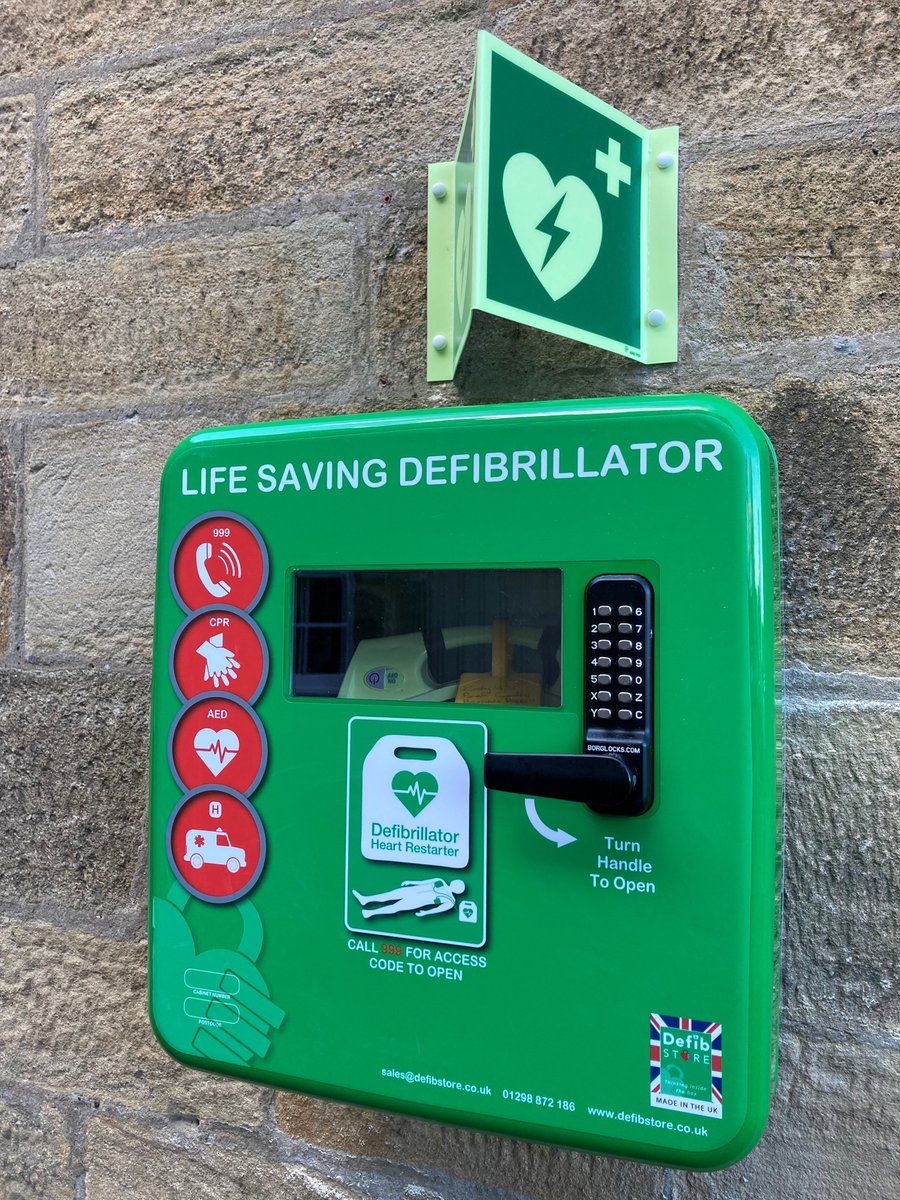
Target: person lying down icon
point(425, 897)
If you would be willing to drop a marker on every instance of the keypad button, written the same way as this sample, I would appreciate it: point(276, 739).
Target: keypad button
point(626, 644)
point(625, 610)
point(604, 714)
point(625, 697)
point(625, 662)
point(625, 714)
point(603, 644)
point(626, 627)
point(603, 610)
point(624, 680)
point(603, 627)
point(603, 679)
point(604, 696)
point(603, 662)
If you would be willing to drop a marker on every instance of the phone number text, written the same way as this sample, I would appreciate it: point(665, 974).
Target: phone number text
point(538, 1100)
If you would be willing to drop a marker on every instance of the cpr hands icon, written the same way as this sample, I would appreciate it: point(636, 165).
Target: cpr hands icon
point(221, 665)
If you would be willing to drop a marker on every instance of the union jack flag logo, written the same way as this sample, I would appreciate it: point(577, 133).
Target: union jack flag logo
point(686, 1065)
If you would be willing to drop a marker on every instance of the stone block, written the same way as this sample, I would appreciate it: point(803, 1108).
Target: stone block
point(842, 922)
point(39, 35)
point(344, 104)
point(538, 1172)
point(16, 157)
point(796, 240)
point(148, 1164)
point(249, 313)
point(89, 575)
point(35, 1156)
point(838, 446)
point(73, 781)
point(73, 1021)
point(834, 1132)
point(397, 274)
point(715, 67)
point(7, 537)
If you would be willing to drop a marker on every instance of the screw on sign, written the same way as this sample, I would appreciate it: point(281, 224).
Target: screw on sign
point(219, 649)
point(214, 740)
point(221, 859)
point(219, 557)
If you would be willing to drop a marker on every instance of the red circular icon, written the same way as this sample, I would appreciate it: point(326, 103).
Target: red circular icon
point(216, 844)
point(219, 649)
point(217, 741)
point(219, 557)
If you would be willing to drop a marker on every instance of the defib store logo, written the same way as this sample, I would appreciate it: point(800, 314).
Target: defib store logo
point(686, 1065)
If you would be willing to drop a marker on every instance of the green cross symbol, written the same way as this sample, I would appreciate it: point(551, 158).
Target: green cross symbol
point(612, 166)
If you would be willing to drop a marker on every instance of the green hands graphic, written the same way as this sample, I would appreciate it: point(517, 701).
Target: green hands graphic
point(223, 1010)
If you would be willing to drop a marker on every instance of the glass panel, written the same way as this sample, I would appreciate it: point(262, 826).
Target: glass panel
point(477, 636)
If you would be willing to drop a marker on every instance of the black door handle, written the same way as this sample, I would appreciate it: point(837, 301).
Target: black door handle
point(604, 782)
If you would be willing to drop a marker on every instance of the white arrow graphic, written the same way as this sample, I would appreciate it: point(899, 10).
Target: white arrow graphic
point(552, 835)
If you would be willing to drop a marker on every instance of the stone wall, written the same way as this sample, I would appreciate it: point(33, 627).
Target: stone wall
point(213, 212)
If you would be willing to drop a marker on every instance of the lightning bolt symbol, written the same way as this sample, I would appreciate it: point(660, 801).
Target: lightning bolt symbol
point(555, 232)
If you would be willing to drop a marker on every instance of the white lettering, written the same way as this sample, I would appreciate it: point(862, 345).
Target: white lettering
point(523, 461)
point(642, 448)
point(266, 478)
point(712, 454)
point(614, 461)
point(410, 472)
point(375, 473)
point(682, 450)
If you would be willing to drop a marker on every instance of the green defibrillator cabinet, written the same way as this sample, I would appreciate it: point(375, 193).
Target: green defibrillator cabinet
point(465, 768)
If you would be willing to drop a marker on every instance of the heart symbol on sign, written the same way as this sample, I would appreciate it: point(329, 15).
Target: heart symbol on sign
point(559, 227)
point(414, 792)
point(216, 748)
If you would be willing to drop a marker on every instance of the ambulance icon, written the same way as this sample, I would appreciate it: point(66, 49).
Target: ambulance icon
point(213, 846)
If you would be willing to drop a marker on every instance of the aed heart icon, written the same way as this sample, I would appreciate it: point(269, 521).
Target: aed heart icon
point(558, 226)
point(216, 748)
point(218, 738)
point(414, 792)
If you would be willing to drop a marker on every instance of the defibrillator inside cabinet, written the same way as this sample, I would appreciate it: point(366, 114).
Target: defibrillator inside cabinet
point(465, 787)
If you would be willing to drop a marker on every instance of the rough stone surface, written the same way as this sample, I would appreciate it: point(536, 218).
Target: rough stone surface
point(732, 65)
point(251, 313)
point(538, 1172)
point(842, 923)
point(73, 802)
point(178, 1162)
point(838, 449)
point(73, 1021)
point(16, 151)
point(216, 211)
point(834, 1131)
point(87, 589)
point(332, 108)
point(7, 537)
point(398, 282)
point(35, 1156)
point(42, 34)
point(798, 240)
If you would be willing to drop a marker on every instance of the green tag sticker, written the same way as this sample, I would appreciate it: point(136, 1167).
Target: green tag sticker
point(416, 830)
point(559, 212)
point(564, 208)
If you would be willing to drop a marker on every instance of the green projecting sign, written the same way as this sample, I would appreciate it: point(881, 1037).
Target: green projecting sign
point(559, 212)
